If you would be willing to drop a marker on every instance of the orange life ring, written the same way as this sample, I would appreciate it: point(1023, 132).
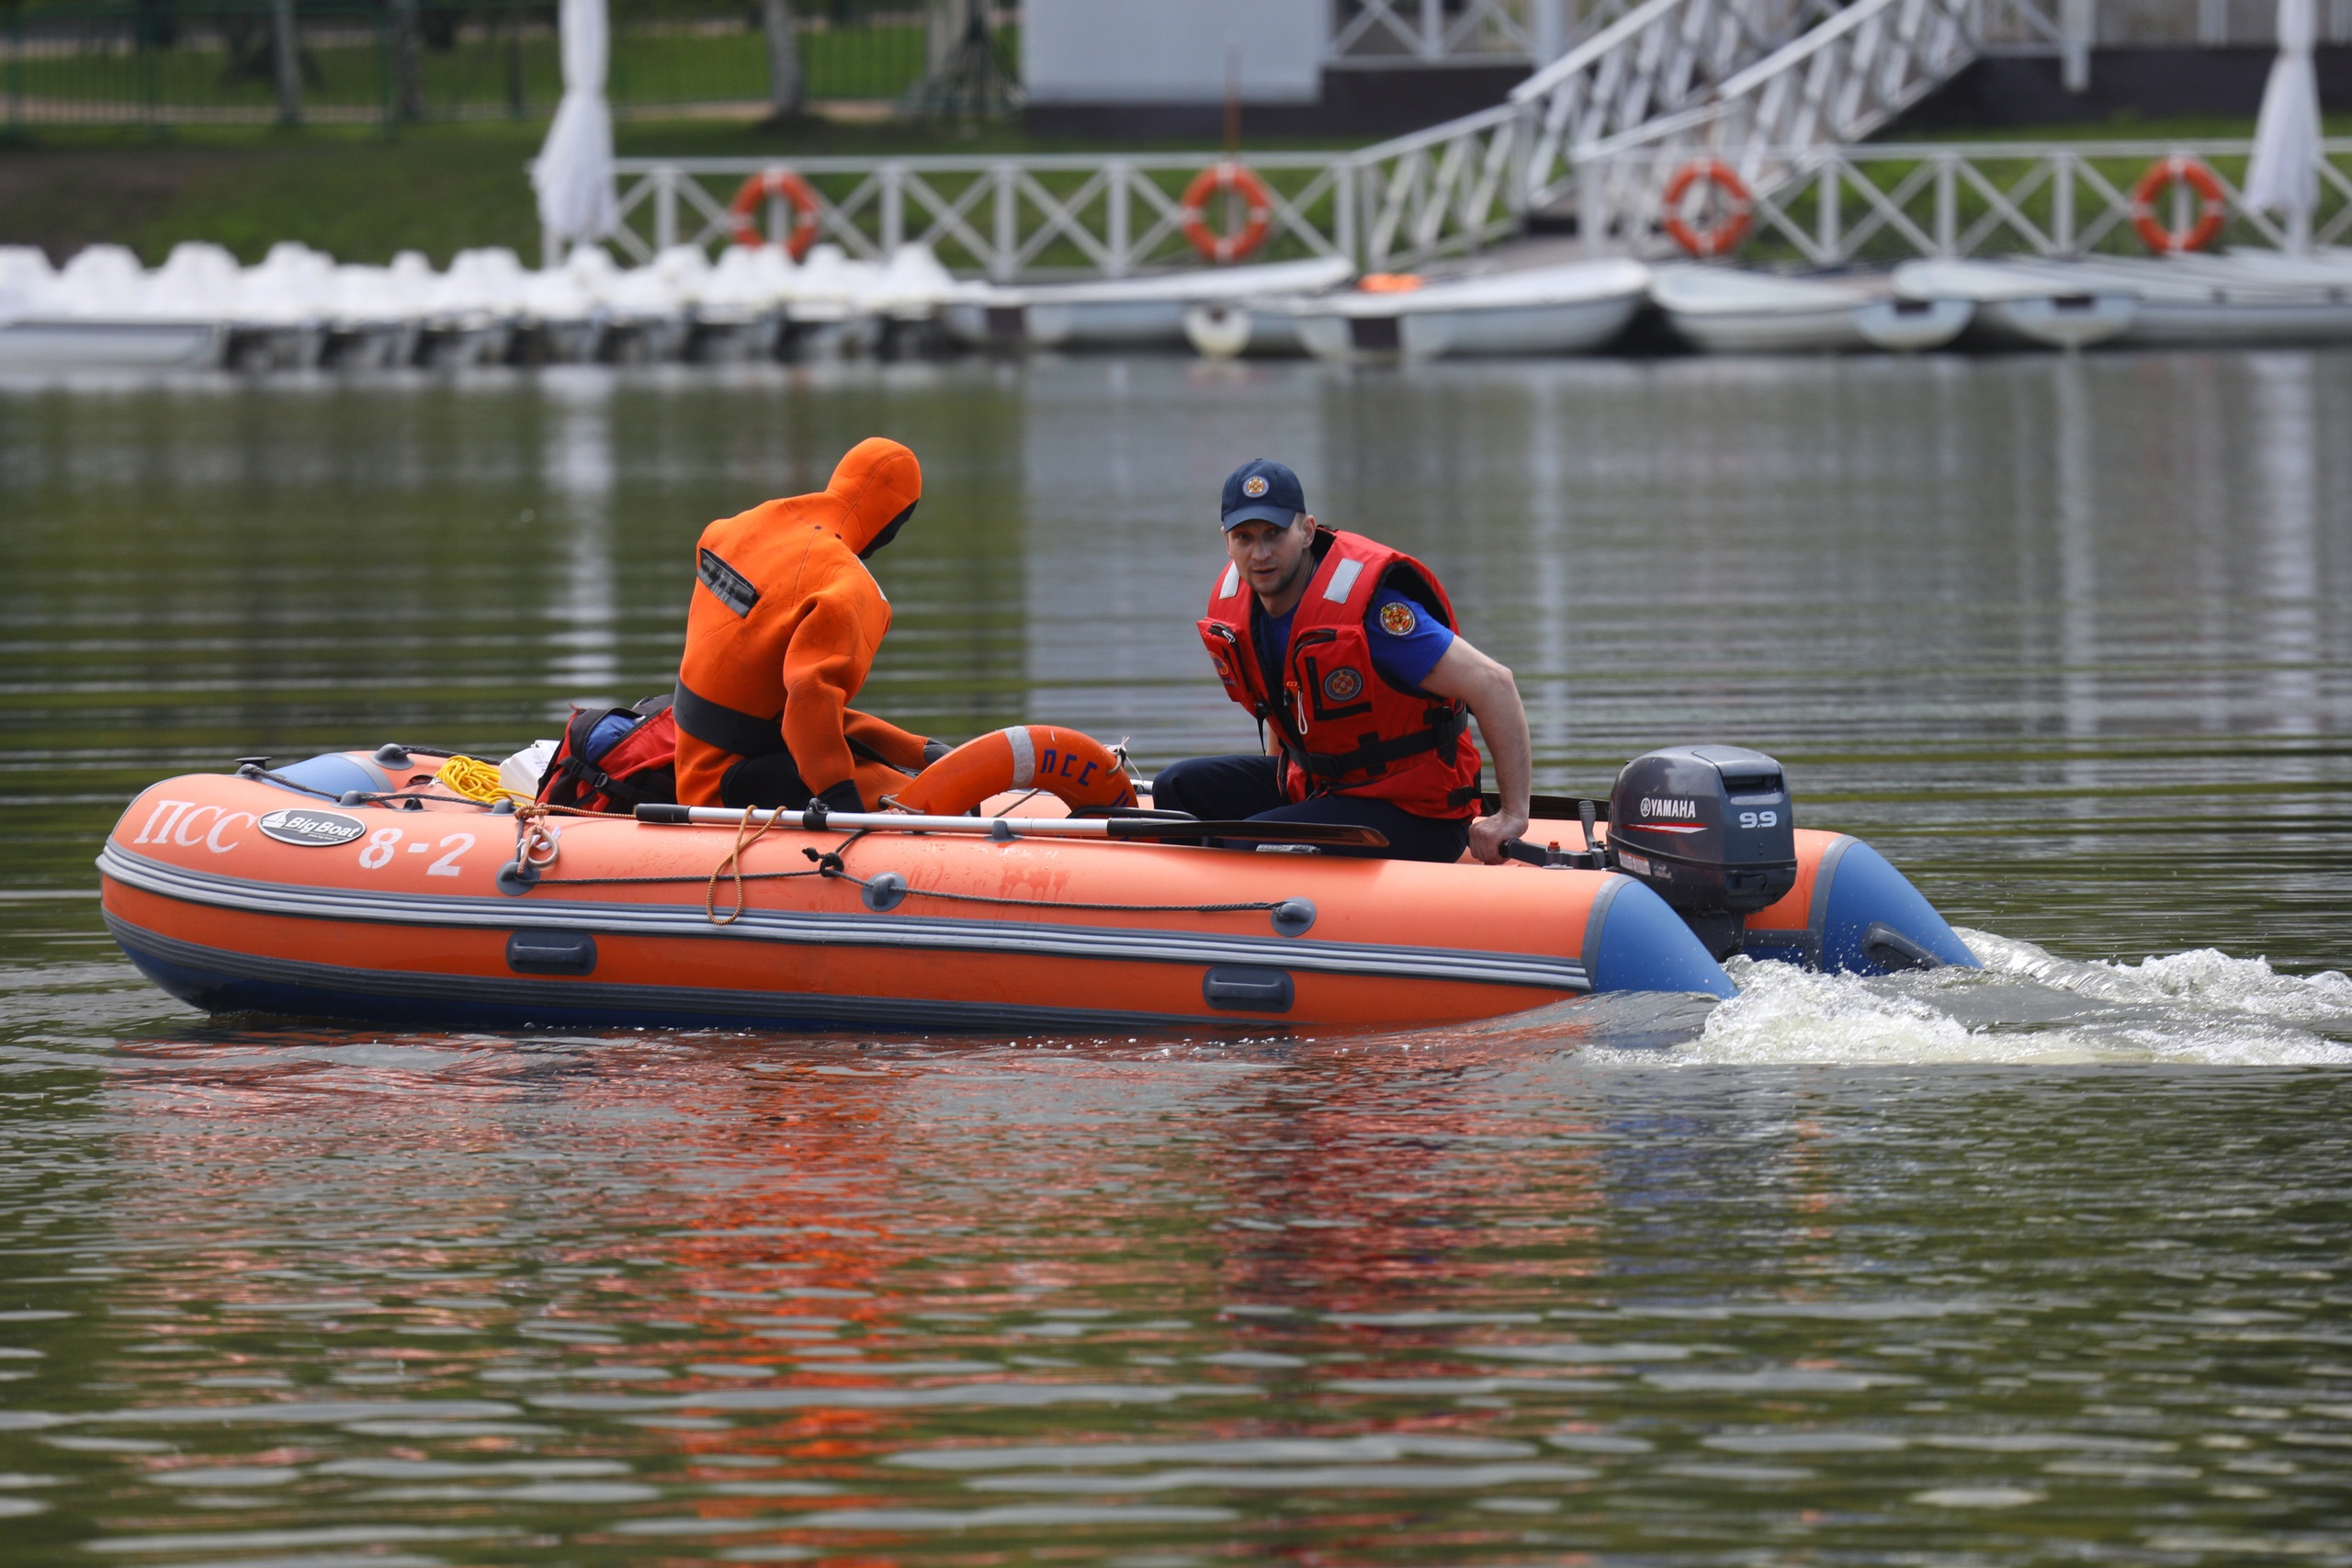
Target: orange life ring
point(2192, 173)
point(1717, 238)
point(1076, 768)
point(1257, 219)
point(774, 184)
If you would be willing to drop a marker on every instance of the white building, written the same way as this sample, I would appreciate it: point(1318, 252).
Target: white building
point(1167, 66)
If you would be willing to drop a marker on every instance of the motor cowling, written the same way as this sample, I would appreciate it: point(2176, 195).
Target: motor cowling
point(1708, 828)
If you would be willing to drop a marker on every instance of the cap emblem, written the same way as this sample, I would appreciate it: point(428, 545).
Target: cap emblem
point(1397, 619)
point(1254, 486)
point(1342, 685)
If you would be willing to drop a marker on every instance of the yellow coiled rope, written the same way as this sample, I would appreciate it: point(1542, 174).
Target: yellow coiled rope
point(477, 779)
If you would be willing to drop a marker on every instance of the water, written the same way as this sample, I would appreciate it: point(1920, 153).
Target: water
point(2044, 1264)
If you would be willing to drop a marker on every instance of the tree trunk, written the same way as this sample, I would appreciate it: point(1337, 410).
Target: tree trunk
point(783, 59)
point(285, 56)
point(408, 79)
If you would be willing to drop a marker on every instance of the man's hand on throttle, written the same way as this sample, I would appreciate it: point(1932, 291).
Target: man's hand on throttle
point(1489, 834)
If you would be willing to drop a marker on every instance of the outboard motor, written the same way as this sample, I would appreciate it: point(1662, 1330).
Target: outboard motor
point(1707, 829)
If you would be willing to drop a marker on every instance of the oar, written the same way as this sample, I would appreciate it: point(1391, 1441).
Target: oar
point(817, 819)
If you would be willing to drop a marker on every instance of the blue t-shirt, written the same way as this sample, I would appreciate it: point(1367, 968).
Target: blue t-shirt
point(1407, 641)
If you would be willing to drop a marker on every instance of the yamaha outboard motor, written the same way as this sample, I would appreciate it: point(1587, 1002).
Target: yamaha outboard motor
point(1707, 829)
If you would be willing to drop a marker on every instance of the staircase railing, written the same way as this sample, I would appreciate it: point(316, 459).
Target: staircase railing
point(1841, 82)
point(1663, 57)
point(1453, 187)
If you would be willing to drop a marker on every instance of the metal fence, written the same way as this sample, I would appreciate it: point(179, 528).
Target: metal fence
point(1108, 215)
point(1112, 216)
point(1840, 206)
point(253, 62)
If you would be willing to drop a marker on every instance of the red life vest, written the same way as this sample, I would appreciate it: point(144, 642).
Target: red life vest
point(1345, 728)
point(638, 767)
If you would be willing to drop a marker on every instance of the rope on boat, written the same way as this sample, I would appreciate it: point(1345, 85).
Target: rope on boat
point(477, 781)
point(829, 864)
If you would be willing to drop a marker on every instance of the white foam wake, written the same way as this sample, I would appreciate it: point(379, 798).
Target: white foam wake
point(2027, 1006)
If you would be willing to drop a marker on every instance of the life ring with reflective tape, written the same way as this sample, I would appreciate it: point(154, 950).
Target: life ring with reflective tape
point(777, 185)
point(2162, 174)
point(1258, 212)
point(1076, 768)
point(1725, 233)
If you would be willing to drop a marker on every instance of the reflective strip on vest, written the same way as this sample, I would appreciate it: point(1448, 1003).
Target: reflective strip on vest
point(1232, 583)
point(727, 585)
point(1343, 580)
point(730, 729)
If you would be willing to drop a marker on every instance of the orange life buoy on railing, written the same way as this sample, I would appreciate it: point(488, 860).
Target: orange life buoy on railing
point(777, 185)
point(2178, 169)
point(1257, 214)
point(1725, 233)
point(1076, 768)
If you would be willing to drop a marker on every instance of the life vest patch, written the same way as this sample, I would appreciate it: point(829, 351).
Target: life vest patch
point(729, 587)
point(1343, 684)
point(1397, 619)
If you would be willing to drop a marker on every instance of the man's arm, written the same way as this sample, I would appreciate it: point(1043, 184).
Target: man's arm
point(902, 749)
point(825, 661)
point(1469, 676)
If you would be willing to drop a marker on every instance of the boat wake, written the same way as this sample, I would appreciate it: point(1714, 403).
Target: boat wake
point(2026, 1004)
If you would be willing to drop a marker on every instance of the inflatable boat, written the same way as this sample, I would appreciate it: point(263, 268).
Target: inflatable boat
point(363, 886)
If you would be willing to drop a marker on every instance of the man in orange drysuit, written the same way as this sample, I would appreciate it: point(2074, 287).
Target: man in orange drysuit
point(782, 629)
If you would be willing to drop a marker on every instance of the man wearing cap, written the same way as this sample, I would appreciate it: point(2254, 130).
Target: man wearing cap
point(1346, 653)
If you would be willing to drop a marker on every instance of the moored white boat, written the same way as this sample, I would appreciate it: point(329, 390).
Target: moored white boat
point(2249, 299)
point(1724, 310)
point(2019, 308)
point(1136, 312)
point(99, 313)
point(1572, 307)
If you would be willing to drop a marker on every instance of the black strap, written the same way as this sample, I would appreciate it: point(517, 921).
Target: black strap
point(730, 729)
point(1441, 733)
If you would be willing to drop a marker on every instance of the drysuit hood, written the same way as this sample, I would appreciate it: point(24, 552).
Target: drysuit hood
point(876, 484)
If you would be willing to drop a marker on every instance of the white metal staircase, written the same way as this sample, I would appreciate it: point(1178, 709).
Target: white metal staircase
point(1841, 82)
point(1660, 59)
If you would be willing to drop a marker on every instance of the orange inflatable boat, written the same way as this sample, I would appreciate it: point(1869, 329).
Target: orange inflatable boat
point(356, 885)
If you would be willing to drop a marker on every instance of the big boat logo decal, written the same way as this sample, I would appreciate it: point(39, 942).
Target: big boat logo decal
point(320, 829)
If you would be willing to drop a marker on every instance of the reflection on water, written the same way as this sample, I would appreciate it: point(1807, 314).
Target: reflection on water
point(1944, 1269)
point(285, 1296)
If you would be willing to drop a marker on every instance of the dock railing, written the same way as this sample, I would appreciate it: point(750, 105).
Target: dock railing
point(1841, 206)
point(1407, 202)
point(1001, 218)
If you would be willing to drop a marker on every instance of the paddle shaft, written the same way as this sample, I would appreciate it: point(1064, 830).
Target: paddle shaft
point(817, 819)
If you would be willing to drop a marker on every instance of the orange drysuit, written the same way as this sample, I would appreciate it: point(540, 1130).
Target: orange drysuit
point(782, 627)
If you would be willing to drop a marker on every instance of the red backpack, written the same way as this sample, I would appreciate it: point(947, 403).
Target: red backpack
point(615, 759)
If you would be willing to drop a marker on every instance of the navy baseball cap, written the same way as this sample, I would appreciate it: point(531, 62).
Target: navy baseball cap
point(1260, 490)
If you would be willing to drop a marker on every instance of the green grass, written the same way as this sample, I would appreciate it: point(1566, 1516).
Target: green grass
point(361, 195)
point(347, 71)
point(2128, 127)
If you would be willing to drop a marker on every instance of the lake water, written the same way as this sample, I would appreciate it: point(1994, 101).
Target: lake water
point(2047, 1264)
